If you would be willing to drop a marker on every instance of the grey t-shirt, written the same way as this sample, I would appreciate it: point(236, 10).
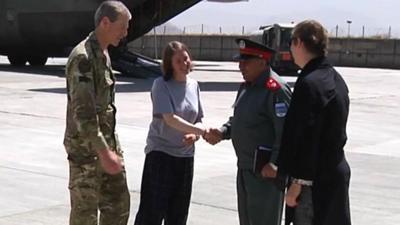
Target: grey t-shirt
point(182, 99)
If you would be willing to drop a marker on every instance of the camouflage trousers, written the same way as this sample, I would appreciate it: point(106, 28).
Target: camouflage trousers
point(92, 191)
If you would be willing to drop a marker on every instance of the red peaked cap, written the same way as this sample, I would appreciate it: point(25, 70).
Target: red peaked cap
point(251, 49)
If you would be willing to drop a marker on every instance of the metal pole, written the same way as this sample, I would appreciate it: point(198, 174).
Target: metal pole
point(348, 28)
point(363, 32)
point(337, 30)
point(155, 44)
point(390, 32)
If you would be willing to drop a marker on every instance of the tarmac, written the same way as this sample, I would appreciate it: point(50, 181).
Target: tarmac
point(34, 168)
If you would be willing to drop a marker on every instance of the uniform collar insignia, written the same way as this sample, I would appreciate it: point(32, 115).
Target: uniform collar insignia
point(272, 85)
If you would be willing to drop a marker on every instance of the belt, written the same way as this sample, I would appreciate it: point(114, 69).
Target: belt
point(82, 159)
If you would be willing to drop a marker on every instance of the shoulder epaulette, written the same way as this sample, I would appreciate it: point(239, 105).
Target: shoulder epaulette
point(272, 85)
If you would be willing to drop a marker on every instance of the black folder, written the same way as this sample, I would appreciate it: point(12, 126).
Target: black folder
point(262, 156)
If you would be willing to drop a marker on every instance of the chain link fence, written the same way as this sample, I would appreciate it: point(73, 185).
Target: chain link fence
point(336, 31)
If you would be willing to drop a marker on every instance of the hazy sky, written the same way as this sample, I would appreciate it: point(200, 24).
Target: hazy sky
point(375, 15)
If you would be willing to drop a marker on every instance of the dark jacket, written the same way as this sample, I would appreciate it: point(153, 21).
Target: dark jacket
point(313, 139)
point(258, 118)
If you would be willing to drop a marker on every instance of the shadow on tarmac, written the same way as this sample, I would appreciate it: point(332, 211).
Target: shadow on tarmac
point(144, 85)
point(51, 70)
point(133, 85)
point(59, 70)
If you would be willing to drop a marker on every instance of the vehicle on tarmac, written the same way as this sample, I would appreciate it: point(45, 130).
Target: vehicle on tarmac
point(278, 37)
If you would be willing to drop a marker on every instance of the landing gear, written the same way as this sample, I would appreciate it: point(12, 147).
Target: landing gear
point(37, 60)
point(17, 60)
point(21, 59)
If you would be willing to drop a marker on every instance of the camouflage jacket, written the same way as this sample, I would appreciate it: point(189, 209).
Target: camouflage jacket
point(90, 109)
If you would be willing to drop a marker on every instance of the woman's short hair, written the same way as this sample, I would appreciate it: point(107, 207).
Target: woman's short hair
point(313, 35)
point(111, 10)
point(169, 51)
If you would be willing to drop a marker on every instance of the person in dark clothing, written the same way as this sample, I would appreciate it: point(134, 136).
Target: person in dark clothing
point(257, 122)
point(314, 134)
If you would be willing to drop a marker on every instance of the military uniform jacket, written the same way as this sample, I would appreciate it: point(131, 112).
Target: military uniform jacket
point(313, 139)
point(259, 114)
point(90, 109)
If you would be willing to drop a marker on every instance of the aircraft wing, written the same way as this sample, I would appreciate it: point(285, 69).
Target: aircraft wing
point(227, 1)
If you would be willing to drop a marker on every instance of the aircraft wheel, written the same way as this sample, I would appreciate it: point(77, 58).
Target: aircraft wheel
point(37, 60)
point(17, 60)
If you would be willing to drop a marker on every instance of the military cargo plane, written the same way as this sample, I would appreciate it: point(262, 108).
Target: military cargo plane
point(31, 31)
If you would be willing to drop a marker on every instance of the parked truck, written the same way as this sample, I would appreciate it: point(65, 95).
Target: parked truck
point(278, 37)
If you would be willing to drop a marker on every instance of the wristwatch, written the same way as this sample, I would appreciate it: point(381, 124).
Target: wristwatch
point(302, 182)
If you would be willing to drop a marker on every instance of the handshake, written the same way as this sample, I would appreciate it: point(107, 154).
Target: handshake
point(212, 135)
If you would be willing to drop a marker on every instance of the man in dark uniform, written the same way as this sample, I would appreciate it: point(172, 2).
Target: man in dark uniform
point(315, 133)
point(257, 122)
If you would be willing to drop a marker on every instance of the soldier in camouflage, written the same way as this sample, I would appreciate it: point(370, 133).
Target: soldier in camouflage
point(97, 175)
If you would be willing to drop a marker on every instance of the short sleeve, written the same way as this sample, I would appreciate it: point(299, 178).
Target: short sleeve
point(200, 114)
point(160, 96)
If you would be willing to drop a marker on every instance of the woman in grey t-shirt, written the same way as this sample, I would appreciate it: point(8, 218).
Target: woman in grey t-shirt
point(175, 127)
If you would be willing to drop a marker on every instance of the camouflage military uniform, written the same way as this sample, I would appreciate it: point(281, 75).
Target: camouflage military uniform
point(90, 128)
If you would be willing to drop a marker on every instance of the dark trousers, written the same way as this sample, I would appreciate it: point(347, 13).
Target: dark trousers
point(166, 190)
point(327, 202)
point(260, 202)
point(304, 211)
